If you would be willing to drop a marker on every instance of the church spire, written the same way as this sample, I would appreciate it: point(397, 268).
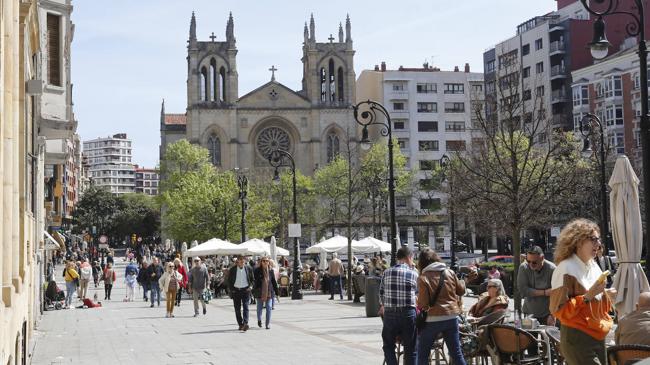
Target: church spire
point(162, 112)
point(306, 33)
point(348, 29)
point(312, 29)
point(230, 30)
point(193, 29)
point(340, 33)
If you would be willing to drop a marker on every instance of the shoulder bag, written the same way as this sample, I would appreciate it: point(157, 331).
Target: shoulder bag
point(421, 319)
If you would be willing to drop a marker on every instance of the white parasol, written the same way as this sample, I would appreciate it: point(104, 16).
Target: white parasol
point(629, 280)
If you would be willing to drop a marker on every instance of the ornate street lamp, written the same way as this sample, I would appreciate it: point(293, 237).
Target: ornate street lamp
point(372, 111)
point(281, 158)
point(599, 47)
point(445, 165)
point(591, 127)
point(242, 182)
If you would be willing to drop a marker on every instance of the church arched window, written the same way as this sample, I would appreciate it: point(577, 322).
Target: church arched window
point(213, 80)
point(332, 81)
point(323, 85)
point(332, 146)
point(222, 84)
point(339, 80)
point(214, 148)
point(203, 84)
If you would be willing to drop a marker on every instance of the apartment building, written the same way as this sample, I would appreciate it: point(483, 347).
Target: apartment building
point(109, 163)
point(432, 114)
point(611, 90)
point(146, 180)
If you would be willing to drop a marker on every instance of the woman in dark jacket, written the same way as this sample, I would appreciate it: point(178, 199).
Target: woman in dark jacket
point(264, 290)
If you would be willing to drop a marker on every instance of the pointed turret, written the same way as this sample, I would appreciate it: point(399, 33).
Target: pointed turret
point(306, 33)
point(348, 29)
point(162, 112)
point(230, 30)
point(193, 29)
point(312, 29)
point(340, 33)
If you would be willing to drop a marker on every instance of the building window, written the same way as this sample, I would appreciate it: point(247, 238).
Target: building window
point(427, 88)
point(525, 73)
point(539, 91)
point(54, 49)
point(332, 146)
point(614, 115)
point(340, 84)
point(427, 165)
point(613, 86)
point(398, 86)
point(399, 124)
point(527, 95)
point(477, 88)
point(430, 204)
point(455, 126)
point(489, 66)
point(332, 81)
point(403, 143)
point(617, 142)
point(427, 107)
point(204, 84)
point(455, 146)
point(454, 107)
point(428, 146)
point(539, 44)
point(425, 126)
point(398, 106)
point(323, 85)
point(580, 95)
point(525, 49)
point(539, 67)
point(400, 202)
point(454, 88)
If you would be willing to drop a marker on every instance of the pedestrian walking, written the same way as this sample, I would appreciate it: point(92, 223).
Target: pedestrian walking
point(183, 284)
point(198, 282)
point(336, 275)
point(440, 294)
point(143, 279)
point(397, 298)
point(154, 272)
point(109, 278)
point(71, 278)
point(265, 288)
point(96, 270)
point(85, 274)
point(240, 282)
point(131, 280)
point(578, 296)
point(169, 283)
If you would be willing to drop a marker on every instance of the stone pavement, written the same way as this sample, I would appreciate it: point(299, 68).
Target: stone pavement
point(314, 330)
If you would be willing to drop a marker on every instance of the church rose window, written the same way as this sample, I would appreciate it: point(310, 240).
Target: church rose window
point(271, 139)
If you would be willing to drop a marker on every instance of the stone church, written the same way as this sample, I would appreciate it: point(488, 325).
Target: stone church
point(239, 131)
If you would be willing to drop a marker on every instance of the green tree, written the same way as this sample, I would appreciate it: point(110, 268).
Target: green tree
point(140, 214)
point(97, 208)
point(282, 201)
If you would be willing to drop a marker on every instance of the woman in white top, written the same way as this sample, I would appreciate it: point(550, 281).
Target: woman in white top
point(169, 283)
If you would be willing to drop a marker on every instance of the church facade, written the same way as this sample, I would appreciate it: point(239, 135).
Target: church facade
point(240, 131)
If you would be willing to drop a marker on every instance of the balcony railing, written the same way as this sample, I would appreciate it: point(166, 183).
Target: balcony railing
point(558, 96)
point(558, 70)
point(557, 46)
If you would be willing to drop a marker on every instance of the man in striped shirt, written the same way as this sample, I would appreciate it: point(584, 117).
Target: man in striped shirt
point(397, 293)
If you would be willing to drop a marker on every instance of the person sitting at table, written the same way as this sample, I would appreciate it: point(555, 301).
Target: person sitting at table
point(578, 297)
point(493, 300)
point(633, 329)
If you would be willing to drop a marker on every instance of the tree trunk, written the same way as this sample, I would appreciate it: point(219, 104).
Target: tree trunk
point(516, 253)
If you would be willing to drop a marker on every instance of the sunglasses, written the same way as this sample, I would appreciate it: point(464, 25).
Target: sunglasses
point(595, 240)
point(533, 262)
point(492, 286)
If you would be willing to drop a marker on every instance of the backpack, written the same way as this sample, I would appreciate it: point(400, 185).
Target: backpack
point(86, 272)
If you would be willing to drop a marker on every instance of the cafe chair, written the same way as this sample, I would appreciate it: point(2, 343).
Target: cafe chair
point(509, 344)
point(284, 286)
point(474, 339)
point(627, 354)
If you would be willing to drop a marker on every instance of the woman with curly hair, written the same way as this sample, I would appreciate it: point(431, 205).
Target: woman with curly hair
point(578, 297)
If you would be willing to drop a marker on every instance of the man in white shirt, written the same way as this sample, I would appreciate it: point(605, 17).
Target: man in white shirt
point(240, 282)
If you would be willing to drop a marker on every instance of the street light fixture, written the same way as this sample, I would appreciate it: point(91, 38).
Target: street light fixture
point(591, 127)
point(370, 116)
point(281, 158)
point(445, 164)
point(242, 182)
point(636, 28)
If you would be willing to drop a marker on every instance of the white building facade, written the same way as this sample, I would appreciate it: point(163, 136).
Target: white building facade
point(109, 163)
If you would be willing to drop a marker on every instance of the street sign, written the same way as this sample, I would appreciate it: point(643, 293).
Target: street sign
point(555, 231)
point(103, 239)
point(295, 230)
point(94, 230)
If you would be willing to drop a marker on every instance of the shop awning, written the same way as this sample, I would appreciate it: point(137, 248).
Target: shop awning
point(50, 242)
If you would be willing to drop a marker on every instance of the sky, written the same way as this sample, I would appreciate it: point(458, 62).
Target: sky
point(127, 56)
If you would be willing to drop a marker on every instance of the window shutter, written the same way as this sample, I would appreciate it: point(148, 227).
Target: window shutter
point(54, 49)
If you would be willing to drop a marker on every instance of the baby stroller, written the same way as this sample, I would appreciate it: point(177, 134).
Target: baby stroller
point(54, 297)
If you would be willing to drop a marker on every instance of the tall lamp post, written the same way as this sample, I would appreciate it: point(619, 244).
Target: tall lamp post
point(242, 182)
point(592, 127)
point(281, 158)
point(445, 163)
point(370, 116)
point(599, 49)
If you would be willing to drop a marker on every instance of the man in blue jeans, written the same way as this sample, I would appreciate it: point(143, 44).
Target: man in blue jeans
point(154, 272)
point(397, 292)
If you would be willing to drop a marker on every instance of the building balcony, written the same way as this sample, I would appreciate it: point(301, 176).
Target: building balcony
point(557, 47)
point(558, 71)
point(559, 96)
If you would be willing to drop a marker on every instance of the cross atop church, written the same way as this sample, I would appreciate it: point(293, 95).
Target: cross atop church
point(213, 37)
point(331, 38)
point(273, 69)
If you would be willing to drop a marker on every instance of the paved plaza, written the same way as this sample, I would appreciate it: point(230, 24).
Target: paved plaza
point(314, 330)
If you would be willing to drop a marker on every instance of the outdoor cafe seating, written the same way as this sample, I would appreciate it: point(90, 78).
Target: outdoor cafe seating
point(627, 354)
point(510, 344)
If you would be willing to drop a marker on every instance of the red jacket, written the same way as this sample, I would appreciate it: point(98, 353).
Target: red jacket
point(183, 272)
